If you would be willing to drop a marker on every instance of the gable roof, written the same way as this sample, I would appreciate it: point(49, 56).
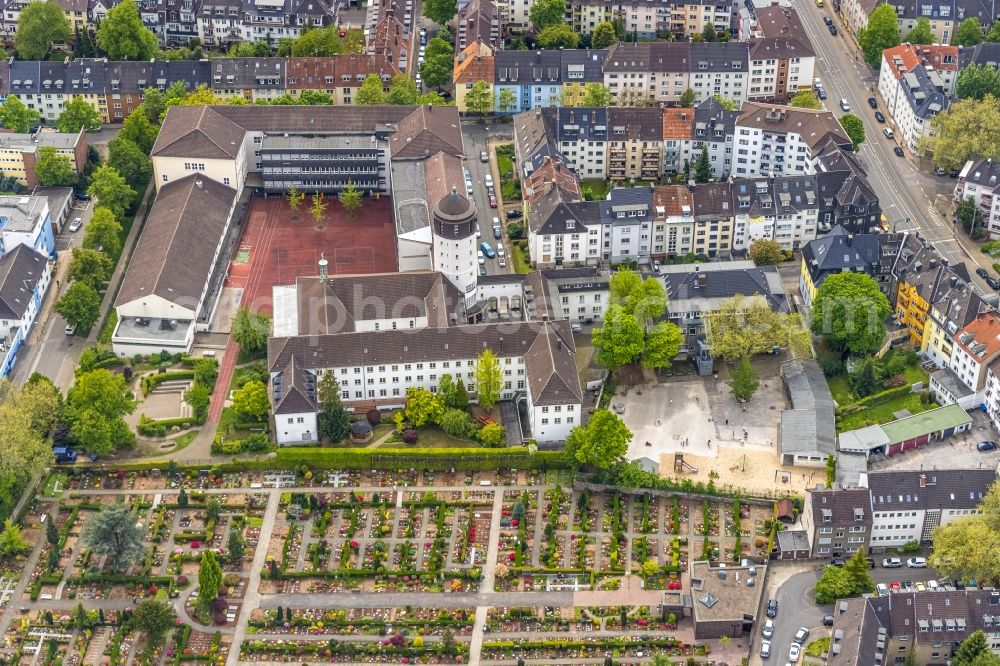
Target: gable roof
point(173, 258)
point(425, 131)
point(198, 132)
point(551, 370)
point(293, 389)
point(814, 126)
point(810, 426)
point(20, 270)
point(893, 490)
point(839, 252)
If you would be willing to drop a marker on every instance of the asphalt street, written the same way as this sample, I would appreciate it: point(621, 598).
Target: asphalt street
point(475, 137)
point(905, 192)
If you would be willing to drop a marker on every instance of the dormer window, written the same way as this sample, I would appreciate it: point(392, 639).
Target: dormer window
point(570, 224)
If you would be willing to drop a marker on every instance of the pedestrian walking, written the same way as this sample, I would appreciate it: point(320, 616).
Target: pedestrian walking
point(727, 421)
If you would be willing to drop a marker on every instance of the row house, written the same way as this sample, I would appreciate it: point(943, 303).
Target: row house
point(474, 63)
point(478, 21)
point(650, 20)
point(542, 78)
point(975, 347)
point(219, 22)
point(673, 220)
point(943, 15)
point(837, 252)
point(635, 144)
point(783, 209)
point(678, 134)
point(837, 522)
point(845, 195)
point(713, 131)
point(116, 88)
point(979, 180)
point(174, 22)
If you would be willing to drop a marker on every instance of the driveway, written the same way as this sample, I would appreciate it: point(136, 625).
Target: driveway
point(795, 609)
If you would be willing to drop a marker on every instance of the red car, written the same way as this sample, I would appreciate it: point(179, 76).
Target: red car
point(493, 201)
point(894, 585)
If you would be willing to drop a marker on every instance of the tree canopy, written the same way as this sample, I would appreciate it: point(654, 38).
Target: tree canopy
point(854, 127)
point(78, 115)
point(14, 115)
point(39, 26)
point(53, 169)
point(601, 443)
point(489, 379)
point(251, 400)
point(966, 131)
point(975, 651)
point(111, 190)
point(440, 11)
point(154, 617)
point(103, 231)
point(481, 98)
point(921, 33)
point(559, 36)
point(967, 547)
point(745, 326)
point(849, 311)
point(744, 380)
point(619, 340)
point(603, 36)
point(80, 305)
point(96, 407)
point(90, 267)
point(116, 532)
point(250, 329)
point(765, 252)
point(123, 36)
point(978, 81)
point(882, 32)
point(806, 99)
point(968, 32)
point(546, 13)
point(371, 91)
point(27, 414)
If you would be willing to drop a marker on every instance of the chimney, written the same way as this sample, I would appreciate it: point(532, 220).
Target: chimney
point(850, 239)
point(198, 184)
point(324, 274)
point(923, 480)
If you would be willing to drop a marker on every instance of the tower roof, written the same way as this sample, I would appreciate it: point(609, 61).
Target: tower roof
point(454, 207)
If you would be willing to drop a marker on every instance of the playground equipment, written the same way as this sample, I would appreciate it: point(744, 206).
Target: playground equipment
point(680, 466)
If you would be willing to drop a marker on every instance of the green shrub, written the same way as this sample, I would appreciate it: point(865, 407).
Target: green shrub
point(471, 459)
point(149, 382)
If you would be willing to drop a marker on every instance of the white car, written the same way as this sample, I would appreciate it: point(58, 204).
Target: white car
point(801, 635)
point(765, 649)
point(768, 630)
point(882, 589)
point(479, 233)
point(70, 329)
point(76, 224)
point(892, 563)
point(932, 584)
point(917, 563)
point(844, 105)
point(793, 652)
point(503, 261)
point(500, 249)
point(482, 258)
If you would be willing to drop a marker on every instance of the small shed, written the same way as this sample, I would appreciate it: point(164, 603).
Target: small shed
point(361, 431)
point(786, 511)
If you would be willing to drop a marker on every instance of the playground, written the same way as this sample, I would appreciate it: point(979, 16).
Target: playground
point(699, 418)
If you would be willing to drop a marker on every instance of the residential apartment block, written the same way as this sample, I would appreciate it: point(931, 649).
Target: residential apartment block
point(943, 15)
point(915, 90)
point(19, 153)
point(837, 522)
point(782, 60)
point(979, 181)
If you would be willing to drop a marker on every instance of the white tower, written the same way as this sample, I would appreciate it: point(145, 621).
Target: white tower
point(454, 225)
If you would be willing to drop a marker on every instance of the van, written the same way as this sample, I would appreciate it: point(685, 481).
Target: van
point(844, 105)
point(888, 132)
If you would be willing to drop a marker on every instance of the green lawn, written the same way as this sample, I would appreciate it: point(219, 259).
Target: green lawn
point(521, 263)
point(878, 414)
point(184, 440)
point(432, 437)
point(599, 188)
point(817, 647)
point(51, 482)
point(840, 390)
point(505, 165)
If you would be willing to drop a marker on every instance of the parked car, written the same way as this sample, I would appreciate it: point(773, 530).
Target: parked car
point(656, 266)
point(484, 156)
point(872, 102)
point(488, 179)
point(482, 258)
point(479, 234)
point(894, 585)
point(487, 249)
point(981, 272)
point(844, 105)
point(76, 224)
point(988, 445)
point(993, 282)
point(908, 585)
point(793, 652)
point(827, 20)
point(917, 562)
point(932, 585)
point(833, 29)
point(70, 329)
point(513, 214)
point(801, 635)
point(820, 93)
point(919, 586)
point(577, 328)
point(898, 151)
point(482, 270)
point(882, 589)
point(889, 134)
point(827, 620)
point(768, 630)
point(879, 117)
point(493, 201)
point(772, 608)
point(502, 260)
point(892, 563)
point(837, 562)
point(496, 232)
point(765, 649)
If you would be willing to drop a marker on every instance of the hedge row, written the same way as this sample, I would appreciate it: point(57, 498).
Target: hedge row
point(122, 580)
point(337, 574)
point(437, 459)
point(149, 382)
point(879, 398)
point(158, 428)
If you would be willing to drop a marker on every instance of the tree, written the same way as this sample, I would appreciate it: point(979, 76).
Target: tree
point(78, 115)
point(978, 81)
point(318, 206)
point(971, 651)
point(422, 407)
point(969, 32)
point(235, 547)
point(436, 70)
point(968, 214)
point(506, 101)
point(318, 43)
point(559, 36)
point(402, 90)
point(11, 541)
point(992, 36)
point(688, 98)
point(103, 231)
point(110, 189)
point(859, 574)
point(966, 131)
point(831, 470)
point(39, 26)
point(663, 343)
point(350, 199)
point(834, 584)
point(849, 312)
point(492, 435)
point(489, 379)
point(251, 329)
point(461, 399)
point(334, 421)
point(370, 91)
point(153, 617)
point(51, 532)
point(251, 400)
point(315, 98)
point(708, 33)
point(765, 252)
point(744, 381)
point(128, 159)
point(209, 579)
point(601, 443)
point(921, 33)
point(644, 299)
point(80, 306)
point(603, 36)
point(546, 13)
point(481, 98)
point(198, 396)
point(295, 197)
point(440, 11)
point(456, 422)
point(123, 36)
point(14, 115)
point(854, 127)
point(882, 32)
point(863, 381)
point(744, 326)
point(620, 340)
point(117, 533)
point(702, 167)
point(596, 95)
point(727, 104)
point(90, 267)
point(806, 99)
point(55, 170)
point(96, 407)
point(213, 509)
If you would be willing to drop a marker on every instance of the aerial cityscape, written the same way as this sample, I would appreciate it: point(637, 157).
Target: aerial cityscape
point(500, 332)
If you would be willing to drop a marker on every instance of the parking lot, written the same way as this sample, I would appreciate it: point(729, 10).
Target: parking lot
point(959, 452)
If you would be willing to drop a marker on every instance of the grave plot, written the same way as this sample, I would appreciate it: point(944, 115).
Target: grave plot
point(372, 624)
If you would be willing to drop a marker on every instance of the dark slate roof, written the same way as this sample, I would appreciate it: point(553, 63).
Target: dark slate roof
point(294, 389)
point(985, 53)
point(246, 73)
point(924, 95)
point(635, 124)
point(713, 201)
point(576, 124)
point(841, 504)
point(720, 57)
point(810, 426)
point(784, 195)
point(528, 67)
point(627, 199)
point(551, 370)
point(173, 258)
point(701, 285)
point(984, 171)
point(840, 252)
point(552, 212)
point(20, 270)
point(783, 35)
point(943, 488)
point(583, 65)
point(855, 632)
point(711, 118)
